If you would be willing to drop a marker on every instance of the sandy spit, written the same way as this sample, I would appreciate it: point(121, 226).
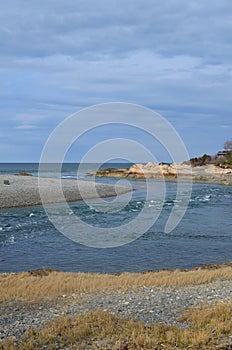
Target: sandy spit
point(23, 191)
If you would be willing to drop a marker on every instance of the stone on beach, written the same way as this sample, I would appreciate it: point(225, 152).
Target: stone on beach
point(24, 190)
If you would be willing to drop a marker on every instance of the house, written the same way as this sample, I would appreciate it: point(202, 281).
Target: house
point(224, 152)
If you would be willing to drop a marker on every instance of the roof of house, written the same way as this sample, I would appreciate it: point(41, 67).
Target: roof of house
point(223, 152)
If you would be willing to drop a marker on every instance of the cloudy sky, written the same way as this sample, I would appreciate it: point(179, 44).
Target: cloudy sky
point(57, 57)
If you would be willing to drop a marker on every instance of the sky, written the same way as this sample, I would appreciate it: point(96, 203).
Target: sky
point(58, 57)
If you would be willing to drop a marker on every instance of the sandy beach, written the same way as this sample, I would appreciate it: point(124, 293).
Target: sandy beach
point(22, 191)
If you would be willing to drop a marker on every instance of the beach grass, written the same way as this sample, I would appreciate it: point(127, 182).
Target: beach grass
point(208, 328)
point(45, 284)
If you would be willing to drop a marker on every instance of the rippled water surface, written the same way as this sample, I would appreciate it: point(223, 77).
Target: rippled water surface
point(29, 241)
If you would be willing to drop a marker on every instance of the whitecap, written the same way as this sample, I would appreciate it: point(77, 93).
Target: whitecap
point(69, 177)
point(206, 198)
point(150, 205)
point(11, 240)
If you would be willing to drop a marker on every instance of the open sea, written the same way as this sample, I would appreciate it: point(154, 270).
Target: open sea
point(29, 241)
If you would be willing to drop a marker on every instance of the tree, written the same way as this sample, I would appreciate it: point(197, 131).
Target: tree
point(228, 145)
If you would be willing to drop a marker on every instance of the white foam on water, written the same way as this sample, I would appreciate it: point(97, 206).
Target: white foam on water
point(206, 198)
point(150, 205)
point(69, 177)
point(11, 240)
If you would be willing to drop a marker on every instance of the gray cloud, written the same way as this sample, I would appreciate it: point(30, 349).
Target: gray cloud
point(116, 27)
point(59, 56)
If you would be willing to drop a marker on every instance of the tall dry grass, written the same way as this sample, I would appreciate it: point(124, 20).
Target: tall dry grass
point(209, 328)
point(38, 285)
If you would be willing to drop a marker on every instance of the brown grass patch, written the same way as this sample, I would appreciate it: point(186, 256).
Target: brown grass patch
point(209, 328)
point(47, 284)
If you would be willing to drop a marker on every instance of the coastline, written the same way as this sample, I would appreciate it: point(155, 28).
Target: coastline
point(171, 172)
point(153, 306)
point(23, 191)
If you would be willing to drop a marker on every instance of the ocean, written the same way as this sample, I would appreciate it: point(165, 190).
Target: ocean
point(29, 241)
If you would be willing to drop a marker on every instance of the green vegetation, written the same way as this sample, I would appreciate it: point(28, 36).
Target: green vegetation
point(226, 161)
point(199, 161)
point(222, 159)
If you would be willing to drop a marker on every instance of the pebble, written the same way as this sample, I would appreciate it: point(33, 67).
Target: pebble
point(157, 304)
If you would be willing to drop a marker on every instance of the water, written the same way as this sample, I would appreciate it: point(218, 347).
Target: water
point(29, 241)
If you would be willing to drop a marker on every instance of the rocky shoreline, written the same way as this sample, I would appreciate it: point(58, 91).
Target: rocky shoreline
point(174, 172)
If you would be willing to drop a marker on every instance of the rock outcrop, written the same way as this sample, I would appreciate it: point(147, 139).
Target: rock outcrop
point(173, 171)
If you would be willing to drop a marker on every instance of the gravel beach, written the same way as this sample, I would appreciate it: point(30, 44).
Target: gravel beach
point(158, 304)
point(21, 191)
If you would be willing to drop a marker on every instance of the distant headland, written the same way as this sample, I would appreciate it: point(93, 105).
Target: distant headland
point(210, 169)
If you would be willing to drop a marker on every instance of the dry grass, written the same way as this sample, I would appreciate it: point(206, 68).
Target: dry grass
point(40, 285)
point(208, 328)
